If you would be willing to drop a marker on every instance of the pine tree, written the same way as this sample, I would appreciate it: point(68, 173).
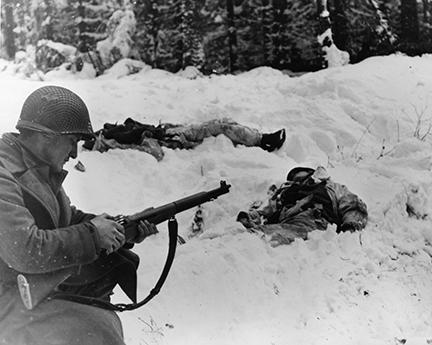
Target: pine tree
point(425, 25)
point(64, 25)
point(148, 14)
point(193, 54)
point(385, 39)
point(340, 25)
point(118, 44)
point(44, 13)
point(370, 32)
point(188, 45)
point(300, 34)
point(409, 22)
point(250, 35)
point(280, 43)
point(265, 10)
point(425, 11)
point(49, 15)
point(93, 16)
point(214, 26)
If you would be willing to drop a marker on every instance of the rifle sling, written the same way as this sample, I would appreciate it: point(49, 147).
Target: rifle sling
point(98, 302)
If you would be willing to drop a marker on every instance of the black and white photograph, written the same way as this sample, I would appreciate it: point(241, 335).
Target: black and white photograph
point(216, 172)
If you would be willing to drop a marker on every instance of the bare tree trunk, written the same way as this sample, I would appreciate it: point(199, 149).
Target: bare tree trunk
point(425, 10)
point(9, 34)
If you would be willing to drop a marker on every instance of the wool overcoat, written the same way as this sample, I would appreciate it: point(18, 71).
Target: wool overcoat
point(40, 232)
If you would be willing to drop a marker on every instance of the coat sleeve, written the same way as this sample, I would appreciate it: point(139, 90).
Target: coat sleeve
point(29, 249)
point(79, 216)
point(268, 212)
point(351, 210)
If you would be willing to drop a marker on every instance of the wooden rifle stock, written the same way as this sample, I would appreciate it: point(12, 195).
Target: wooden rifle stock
point(34, 288)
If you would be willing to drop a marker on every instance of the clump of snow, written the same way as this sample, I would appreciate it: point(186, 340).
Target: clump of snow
point(125, 67)
point(336, 57)
point(332, 54)
point(263, 72)
point(190, 72)
point(229, 286)
point(407, 147)
point(23, 66)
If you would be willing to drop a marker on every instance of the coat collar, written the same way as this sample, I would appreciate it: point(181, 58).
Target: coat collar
point(32, 175)
point(25, 160)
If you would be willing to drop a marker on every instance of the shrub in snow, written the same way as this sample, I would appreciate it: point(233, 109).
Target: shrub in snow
point(118, 45)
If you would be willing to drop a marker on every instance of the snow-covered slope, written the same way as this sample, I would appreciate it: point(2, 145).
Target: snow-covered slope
point(367, 123)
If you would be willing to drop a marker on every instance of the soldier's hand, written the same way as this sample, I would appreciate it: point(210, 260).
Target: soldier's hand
point(110, 232)
point(144, 229)
point(244, 218)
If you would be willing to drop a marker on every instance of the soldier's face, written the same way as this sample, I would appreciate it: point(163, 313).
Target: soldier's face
point(58, 150)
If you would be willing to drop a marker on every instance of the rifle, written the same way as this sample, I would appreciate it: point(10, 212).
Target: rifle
point(34, 288)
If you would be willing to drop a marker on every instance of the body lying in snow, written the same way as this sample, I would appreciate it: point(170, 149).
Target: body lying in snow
point(308, 201)
point(150, 138)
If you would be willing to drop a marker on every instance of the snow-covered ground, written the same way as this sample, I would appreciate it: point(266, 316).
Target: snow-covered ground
point(367, 123)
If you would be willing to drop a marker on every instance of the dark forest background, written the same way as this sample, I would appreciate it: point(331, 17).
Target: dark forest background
point(220, 36)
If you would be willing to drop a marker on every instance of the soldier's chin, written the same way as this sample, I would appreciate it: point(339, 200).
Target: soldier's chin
point(57, 168)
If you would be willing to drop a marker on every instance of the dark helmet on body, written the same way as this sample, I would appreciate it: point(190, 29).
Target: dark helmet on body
point(57, 110)
point(299, 174)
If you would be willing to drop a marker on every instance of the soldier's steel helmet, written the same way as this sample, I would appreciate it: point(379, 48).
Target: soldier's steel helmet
point(57, 110)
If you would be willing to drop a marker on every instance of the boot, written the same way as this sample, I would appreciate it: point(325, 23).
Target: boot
point(273, 141)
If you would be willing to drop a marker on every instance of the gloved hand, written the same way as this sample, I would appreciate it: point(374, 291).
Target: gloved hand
point(249, 220)
point(144, 229)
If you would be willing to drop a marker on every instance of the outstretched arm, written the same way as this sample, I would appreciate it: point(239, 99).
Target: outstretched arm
point(351, 210)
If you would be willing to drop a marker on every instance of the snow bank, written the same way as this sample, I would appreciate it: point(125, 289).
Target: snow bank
point(228, 286)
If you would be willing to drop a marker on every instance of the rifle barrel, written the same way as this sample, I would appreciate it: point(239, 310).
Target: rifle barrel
point(162, 213)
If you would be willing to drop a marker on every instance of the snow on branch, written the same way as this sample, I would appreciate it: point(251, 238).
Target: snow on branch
point(118, 44)
point(332, 55)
